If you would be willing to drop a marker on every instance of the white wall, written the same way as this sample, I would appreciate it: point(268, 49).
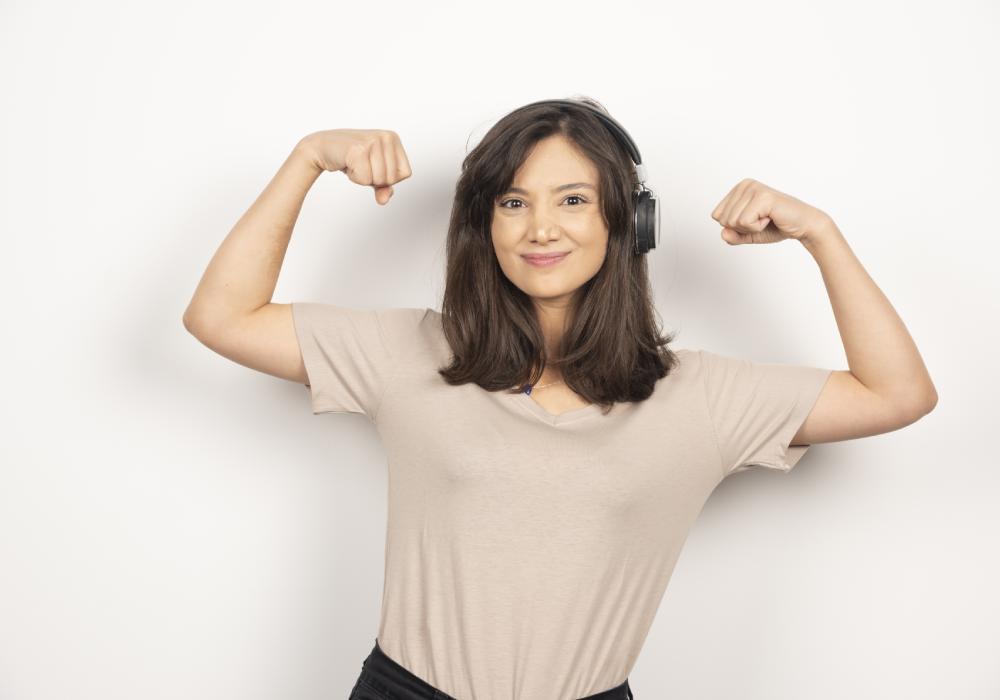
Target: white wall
point(174, 525)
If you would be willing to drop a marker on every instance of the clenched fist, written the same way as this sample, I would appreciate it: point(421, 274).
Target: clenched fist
point(373, 157)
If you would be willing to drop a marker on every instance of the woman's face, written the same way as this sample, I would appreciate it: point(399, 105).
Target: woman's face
point(539, 215)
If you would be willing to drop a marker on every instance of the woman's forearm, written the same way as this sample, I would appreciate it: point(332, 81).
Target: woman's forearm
point(243, 273)
point(880, 351)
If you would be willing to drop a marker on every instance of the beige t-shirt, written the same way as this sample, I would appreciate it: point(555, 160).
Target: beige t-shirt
point(526, 553)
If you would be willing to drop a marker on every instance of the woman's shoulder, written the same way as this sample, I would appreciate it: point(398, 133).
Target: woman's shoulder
point(406, 316)
point(412, 331)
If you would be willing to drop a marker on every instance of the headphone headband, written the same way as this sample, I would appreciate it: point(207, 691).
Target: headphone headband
point(616, 129)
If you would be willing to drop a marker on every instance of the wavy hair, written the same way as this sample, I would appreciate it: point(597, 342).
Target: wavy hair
point(612, 350)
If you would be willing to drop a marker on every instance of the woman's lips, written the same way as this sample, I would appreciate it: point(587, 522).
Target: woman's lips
point(544, 260)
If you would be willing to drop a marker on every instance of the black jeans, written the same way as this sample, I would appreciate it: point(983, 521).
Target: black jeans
point(383, 679)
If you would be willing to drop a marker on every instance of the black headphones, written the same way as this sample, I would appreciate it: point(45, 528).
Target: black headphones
point(645, 205)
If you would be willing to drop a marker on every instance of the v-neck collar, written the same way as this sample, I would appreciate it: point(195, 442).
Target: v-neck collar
point(556, 419)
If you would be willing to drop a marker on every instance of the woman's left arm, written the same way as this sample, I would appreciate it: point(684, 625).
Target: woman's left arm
point(887, 386)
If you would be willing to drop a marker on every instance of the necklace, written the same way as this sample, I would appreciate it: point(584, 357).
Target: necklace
point(528, 388)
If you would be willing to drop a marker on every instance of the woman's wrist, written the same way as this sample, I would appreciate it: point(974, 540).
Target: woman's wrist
point(305, 152)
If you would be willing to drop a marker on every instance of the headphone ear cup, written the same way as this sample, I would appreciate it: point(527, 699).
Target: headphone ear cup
point(645, 207)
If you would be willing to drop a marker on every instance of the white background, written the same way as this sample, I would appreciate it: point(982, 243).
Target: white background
point(174, 525)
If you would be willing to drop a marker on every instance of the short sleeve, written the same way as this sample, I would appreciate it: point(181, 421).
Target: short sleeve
point(348, 359)
point(756, 408)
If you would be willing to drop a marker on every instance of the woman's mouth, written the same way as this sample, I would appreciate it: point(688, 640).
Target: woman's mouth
point(545, 260)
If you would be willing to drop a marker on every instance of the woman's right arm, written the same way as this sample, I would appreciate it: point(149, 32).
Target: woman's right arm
point(231, 311)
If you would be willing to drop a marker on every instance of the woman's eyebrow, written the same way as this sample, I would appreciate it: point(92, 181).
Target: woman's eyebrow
point(567, 186)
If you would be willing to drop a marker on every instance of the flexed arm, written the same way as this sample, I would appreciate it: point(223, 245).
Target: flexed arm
point(231, 311)
point(887, 386)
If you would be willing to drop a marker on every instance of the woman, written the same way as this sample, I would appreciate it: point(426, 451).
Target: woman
point(548, 453)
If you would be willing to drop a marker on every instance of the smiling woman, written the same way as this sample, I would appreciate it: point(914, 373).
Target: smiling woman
point(543, 285)
point(530, 535)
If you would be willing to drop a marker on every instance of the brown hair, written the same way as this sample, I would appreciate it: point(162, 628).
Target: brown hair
point(612, 349)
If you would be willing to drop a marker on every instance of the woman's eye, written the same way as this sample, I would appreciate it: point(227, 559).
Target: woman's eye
point(506, 201)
